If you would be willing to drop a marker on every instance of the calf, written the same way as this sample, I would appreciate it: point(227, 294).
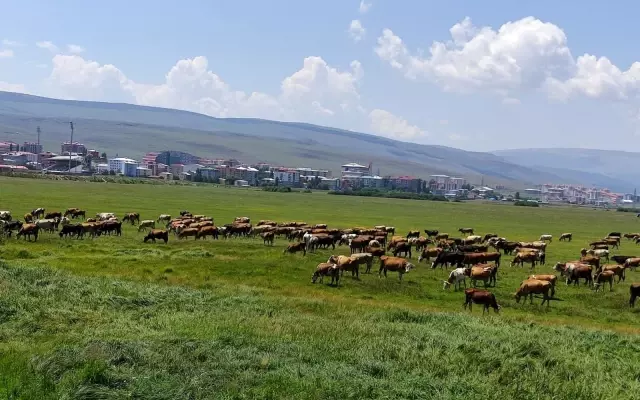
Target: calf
point(531, 287)
point(456, 277)
point(484, 297)
point(161, 234)
point(326, 269)
point(296, 247)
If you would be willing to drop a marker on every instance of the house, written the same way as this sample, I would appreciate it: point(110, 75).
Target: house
point(442, 184)
point(353, 169)
point(210, 173)
point(143, 172)
point(407, 183)
point(371, 181)
point(241, 183)
point(19, 158)
point(124, 166)
point(287, 177)
point(102, 168)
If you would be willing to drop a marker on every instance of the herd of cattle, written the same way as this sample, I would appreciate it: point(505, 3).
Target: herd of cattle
point(473, 257)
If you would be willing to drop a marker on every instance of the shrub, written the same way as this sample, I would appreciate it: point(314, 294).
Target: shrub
point(394, 194)
point(630, 210)
point(522, 203)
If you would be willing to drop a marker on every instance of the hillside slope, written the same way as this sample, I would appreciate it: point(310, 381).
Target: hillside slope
point(130, 130)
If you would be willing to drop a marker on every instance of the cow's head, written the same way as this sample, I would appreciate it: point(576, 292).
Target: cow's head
point(409, 267)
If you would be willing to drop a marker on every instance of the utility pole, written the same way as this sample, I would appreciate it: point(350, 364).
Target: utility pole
point(71, 145)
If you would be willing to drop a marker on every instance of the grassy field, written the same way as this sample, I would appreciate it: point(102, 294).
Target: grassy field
point(116, 318)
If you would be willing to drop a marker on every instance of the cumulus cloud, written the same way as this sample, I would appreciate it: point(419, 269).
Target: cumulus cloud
point(12, 87)
point(356, 30)
point(7, 53)
point(11, 43)
point(387, 124)
point(364, 7)
point(75, 49)
point(47, 45)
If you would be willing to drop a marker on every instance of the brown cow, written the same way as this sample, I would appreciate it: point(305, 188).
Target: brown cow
point(205, 231)
point(296, 247)
point(326, 269)
point(484, 297)
point(161, 234)
point(375, 251)
point(479, 258)
point(186, 232)
point(267, 237)
point(531, 287)
point(442, 236)
point(466, 231)
point(398, 264)
point(617, 269)
point(602, 278)
point(525, 256)
point(27, 230)
point(28, 218)
point(346, 263)
point(634, 291)
point(403, 247)
point(132, 218)
point(428, 253)
point(632, 263)
point(267, 222)
point(549, 278)
point(482, 272)
point(591, 260)
point(574, 271)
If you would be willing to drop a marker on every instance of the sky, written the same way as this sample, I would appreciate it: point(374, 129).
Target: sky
point(474, 75)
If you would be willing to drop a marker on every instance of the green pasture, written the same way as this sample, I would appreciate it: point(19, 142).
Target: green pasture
point(116, 318)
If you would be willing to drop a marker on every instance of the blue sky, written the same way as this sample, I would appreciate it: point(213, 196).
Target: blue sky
point(501, 74)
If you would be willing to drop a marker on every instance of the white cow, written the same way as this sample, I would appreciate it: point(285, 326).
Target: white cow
point(473, 239)
point(544, 238)
point(164, 217)
point(47, 225)
point(602, 253)
point(146, 224)
point(456, 277)
point(105, 216)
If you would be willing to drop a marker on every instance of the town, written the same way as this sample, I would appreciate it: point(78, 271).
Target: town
point(77, 158)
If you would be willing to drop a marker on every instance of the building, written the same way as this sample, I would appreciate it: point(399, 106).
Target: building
point(406, 183)
point(143, 172)
point(370, 181)
point(353, 169)
point(102, 168)
point(124, 166)
point(441, 184)
point(241, 183)
point(31, 147)
point(19, 158)
point(210, 174)
point(176, 169)
point(287, 177)
point(6, 147)
point(311, 172)
point(75, 148)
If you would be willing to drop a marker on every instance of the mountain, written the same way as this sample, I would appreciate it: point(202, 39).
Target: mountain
point(602, 168)
point(131, 130)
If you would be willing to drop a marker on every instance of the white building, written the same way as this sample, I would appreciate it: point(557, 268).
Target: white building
point(445, 183)
point(102, 168)
point(143, 172)
point(371, 181)
point(124, 166)
point(353, 169)
point(287, 177)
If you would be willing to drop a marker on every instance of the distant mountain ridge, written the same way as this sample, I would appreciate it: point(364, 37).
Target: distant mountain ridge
point(134, 130)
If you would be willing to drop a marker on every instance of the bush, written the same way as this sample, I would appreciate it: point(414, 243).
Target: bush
point(306, 191)
point(393, 194)
point(279, 189)
point(522, 203)
point(630, 210)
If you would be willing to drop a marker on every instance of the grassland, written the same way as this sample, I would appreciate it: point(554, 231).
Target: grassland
point(115, 318)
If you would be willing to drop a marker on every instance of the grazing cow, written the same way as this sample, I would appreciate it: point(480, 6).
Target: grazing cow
point(186, 232)
point(105, 216)
point(602, 278)
point(77, 213)
point(480, 258)
point(267, 222)
point(267, 237)
point(404, 248)
point(398, 264)
point(9, 227)
point(132, 218)
point(566, 236)
point(634, 291)
point(523, 257)
point(110, 227)
point(456, 277)
point(5, 216)
point(164, 218)
point(375, 252)
point(632, 263)
point(445, 258)
point(472, 239)
point(466, 231)
point(390, 230)
point(534, 286)
point(506, 246)
point(53, 215)
point(27, 230)
point(92, 228)
point(364, 258)
point(146, 224)
point(205, 231)
point(413, 234)
point(347, 263)
point(482, 272)
point(621, 259)
point(631, 236)
point(71, 230)
point(591, 260)
point(242, 220)
point(549, 278)
point(484, 297)
point(38, 212)
point(431, 233)
point(358, 244)
point(544, 238)
point(326, 269)
point(574, 271)
point(534, 245)
point(48, 225)
point(419, 243)
point(154, 234)
point(296, 247)
point(442, 236)
point(489, 236)
point(618, 270)
point(428, 253)
point(612, 241)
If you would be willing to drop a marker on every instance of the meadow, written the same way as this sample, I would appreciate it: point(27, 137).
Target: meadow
point(116, 318)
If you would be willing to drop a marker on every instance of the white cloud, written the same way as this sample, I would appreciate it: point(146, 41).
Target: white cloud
point(364, 7)
point(12, 87)
point(387, 124)
point(75, 49)
point(7, 53)
point(47, 45)
point(43, 66)
point(356, 30)
point(11, 43)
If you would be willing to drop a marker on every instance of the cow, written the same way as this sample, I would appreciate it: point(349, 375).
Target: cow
point(484, 297)
point(208, 231)
point(364, 258)
point(48, 225)
point(612, 241)
point(531, 287)
point(92, 228)
point(398, 264)
point(632, 263)
point(326, 269)
point(420, 242)
point(602, 253)
point(5, 216)
point(466, 231)
point(38, 212)
point(602, 278)
point(267, 237)
point(28, 218)
point(375, 252)
point(9, 227)
point(390, 230)
point(480, 258)
point(522, 257)
point(413, 234)
point(631, 236)
point(442, 236)
point(431, 233)
point(591, 260)
point(549, 278)
point(242, 220)
point(489, 236)
point(404, 248)
point(296, 247)
point(132, 218)
point(621, 259)
point(146, 224)
point(456, 277)
point(634, 291)
point(71, 230)
point(186, 232)
point(27, 230)
point(110, 226)
point(614, 234)
point(185, 213)
point(347, 263)
point(75, 213)
point(544, 238)
point(446, 258)
point(164, 218)
point(154, 234)
point(574, 271)
point(566, 236)
point(506, 246)
point(482, 272)
point(428, 253)
point(104, 216)
point(53, 215)
point(472, 239)
point(534, 245)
